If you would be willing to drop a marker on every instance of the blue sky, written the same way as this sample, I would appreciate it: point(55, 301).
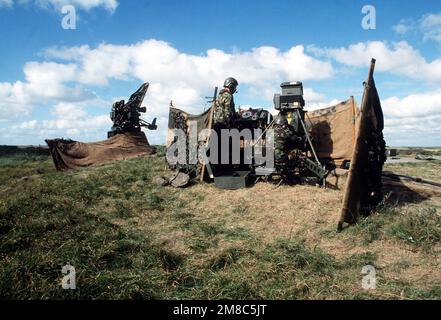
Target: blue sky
point(61, 83)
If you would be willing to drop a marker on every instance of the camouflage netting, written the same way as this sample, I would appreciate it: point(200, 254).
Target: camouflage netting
point(179, 119)
point(333, 129)
point(68, 154)
point(363, 191)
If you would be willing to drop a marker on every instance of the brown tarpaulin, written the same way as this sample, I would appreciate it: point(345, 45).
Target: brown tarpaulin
point(334, 130)
point(68, 154)
point(363, 188)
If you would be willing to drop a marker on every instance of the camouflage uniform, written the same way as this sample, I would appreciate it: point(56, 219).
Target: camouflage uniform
point(284, 142)
point(224, 110)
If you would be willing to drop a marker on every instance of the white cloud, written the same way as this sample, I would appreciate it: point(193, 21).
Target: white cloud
point(415, 105)
point(429, 26)
point(45, 82)
point(87, 5)
point(83, 127)
point(404, 26)
point(158, 61)
point(69, 111)
point(398, 58)
point(6, 3)
point(70, 121)
point(414, 119)
point(322, 104)
point(14, 100)
point(186, 78)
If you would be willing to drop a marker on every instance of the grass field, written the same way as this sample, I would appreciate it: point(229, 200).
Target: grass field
point(130, 239)
point(412, 151)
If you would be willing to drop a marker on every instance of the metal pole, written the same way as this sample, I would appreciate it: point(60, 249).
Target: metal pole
point(307, 137)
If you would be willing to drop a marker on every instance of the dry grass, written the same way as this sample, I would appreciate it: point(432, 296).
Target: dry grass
point(132, 239)
point(428, 170)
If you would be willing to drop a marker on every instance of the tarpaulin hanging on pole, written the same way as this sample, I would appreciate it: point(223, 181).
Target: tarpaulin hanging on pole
point(363, 188)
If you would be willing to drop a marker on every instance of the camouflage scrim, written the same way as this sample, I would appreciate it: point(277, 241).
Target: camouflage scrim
point(224, 108)
point(179, 119)
point(363, 190)
point(333, 129)
point(282, 144)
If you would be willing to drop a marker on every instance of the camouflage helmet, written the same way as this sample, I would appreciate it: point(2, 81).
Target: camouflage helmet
point(281, 120)
point(231, 83)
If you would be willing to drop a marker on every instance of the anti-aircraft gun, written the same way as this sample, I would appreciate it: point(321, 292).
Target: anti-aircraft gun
point(126, 117)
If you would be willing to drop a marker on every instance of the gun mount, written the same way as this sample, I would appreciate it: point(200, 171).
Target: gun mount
point(126, 117)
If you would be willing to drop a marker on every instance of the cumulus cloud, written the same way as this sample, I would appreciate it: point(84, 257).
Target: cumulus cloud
point(404, 26)
point(429, 26)
point(14, 100)
point(87, 5)
point(398, 58)
point(420, 104)
point(69, 120)
point(159, 61)
point(45, 82)
point(414, 119)
point(187, 78)
point(184, 78)
point(69, 111)
point(66, 79)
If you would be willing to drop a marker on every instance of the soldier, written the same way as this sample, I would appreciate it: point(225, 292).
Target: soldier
point(224, 110)
point(285, 140)
point(223, 117)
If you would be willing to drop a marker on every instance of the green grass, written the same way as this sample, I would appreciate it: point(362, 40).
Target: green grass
point(130, 239)
point(421, 229)
point(434, 151)
point(427, 170)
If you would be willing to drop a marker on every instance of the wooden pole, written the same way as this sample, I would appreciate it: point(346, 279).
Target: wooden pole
point(354, 119)
point(352, 196)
